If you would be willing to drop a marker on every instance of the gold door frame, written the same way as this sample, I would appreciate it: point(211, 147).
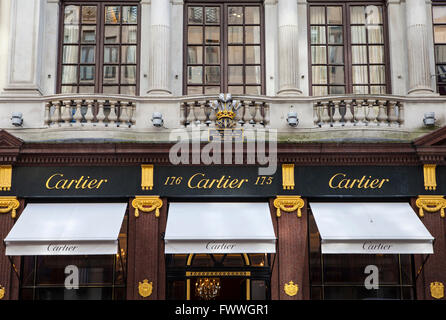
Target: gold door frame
point(190, 274)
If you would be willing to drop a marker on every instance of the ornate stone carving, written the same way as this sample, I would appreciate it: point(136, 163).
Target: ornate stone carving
point(147, 204)
point(431, 204)
point(289, 204)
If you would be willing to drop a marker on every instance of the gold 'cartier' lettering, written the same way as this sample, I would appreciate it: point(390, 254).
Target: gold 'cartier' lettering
point(58, 182)
point(199, 181)
point(341, 181)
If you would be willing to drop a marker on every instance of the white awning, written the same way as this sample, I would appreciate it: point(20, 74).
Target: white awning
point(66, 229)
point(371, 228)
point(219, 227)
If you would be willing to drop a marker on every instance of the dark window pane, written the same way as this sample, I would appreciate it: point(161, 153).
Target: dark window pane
point(335, 55)
point(258, 290)
point(335, 35)
point(212, 75)
point(212, 55)
point(86, 73)
point(88, 54)
point(195, 55)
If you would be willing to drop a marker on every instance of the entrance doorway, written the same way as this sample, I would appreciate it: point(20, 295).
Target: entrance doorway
point(218, 276)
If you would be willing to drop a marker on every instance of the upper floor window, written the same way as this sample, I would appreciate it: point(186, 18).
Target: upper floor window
point(99, 48)
point(348, 48)
point(439, 21)
point(223, 48)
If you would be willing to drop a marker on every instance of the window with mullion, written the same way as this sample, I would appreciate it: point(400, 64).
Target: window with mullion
point(439, 24)
point(99, 48)
point(347, 49)
point(223, 48)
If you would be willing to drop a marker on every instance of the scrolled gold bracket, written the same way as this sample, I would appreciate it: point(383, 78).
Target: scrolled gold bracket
point(289, 204)
point(9, 204)
point(147, 204)
point(431, 204)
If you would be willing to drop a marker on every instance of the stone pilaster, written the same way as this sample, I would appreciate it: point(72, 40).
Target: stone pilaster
point(159, 52)
point(288, 48)
point(25, 46)
point(418, 48)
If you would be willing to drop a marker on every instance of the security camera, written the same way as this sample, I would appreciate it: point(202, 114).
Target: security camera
point(292, 119)
point(157, 119)
point(429, 119)
point(17, 119)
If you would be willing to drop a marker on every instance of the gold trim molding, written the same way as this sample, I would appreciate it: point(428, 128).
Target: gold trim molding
point(147, 176)
point(5, 177)
point(291, 288)
point(219, 274)
point(147, 204)
point(289, 204)
point(288, 176)
point(430, 179)
point(431, 204)
point(9, 204)
point(437, 290)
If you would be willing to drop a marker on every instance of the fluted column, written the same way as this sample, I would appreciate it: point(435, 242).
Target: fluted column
point(159, 52)
point(288, 47)
point(418, 48)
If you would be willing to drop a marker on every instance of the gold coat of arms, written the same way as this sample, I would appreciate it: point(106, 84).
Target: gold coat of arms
point(291, 288)
point(145, 288)
point(2, 292)
point(437, 290)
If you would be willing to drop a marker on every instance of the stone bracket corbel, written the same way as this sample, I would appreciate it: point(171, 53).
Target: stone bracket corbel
point(9, 204)
point(147, 204)
point(431, 203)
point(289, 204)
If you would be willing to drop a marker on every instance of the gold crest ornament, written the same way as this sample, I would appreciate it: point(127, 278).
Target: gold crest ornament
point(437, 290)
point(291, 289)
point(2, 292)
point(145, 288)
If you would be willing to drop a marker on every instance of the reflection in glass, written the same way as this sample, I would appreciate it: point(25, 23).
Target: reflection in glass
point(87, 54)
point(128, 74)
point(111, 74)
point(335, 35)
point(129, 15)
point(112, 14)
point(195, 55)
point(235, 74)
point(334, 15)
point(235, 15)
point(317, 35)
point(88, 34)
point(335, 55)
point(235, 34)
point(212, 55)
point(71, 34)
point(195, 35)
point(252, 54)
point(111, 34)
point(195, 15)
point(89, 14)
point(317, 15)
point(69, 74)
point(252, 15)
point(129, 34)
point(71, 15)
point(86, 74)
point(252, 34)
point(212, 74)
point(194, 75)
point(212, 15)
point(319, 74)
point(70, 54)
point(235, 54)
point(212, 35)
point(336, 74)
point(111, 54)
point(253, 74)
point(128, 54)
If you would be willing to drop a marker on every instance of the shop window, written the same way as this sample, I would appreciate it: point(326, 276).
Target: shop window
point(342, 276)
point(347, 48)
point(439, 22)
point(223, 48)
point(231, 276)
point(101, 277)
point(99, 48)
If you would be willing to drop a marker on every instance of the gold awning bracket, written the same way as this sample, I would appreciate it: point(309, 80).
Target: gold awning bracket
point(147, 204)
point(431, 203)
point(9, 204)
point(288, 176)
point(289, 204)
point(5, 177)
point(147, 176)
point(430, 179)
